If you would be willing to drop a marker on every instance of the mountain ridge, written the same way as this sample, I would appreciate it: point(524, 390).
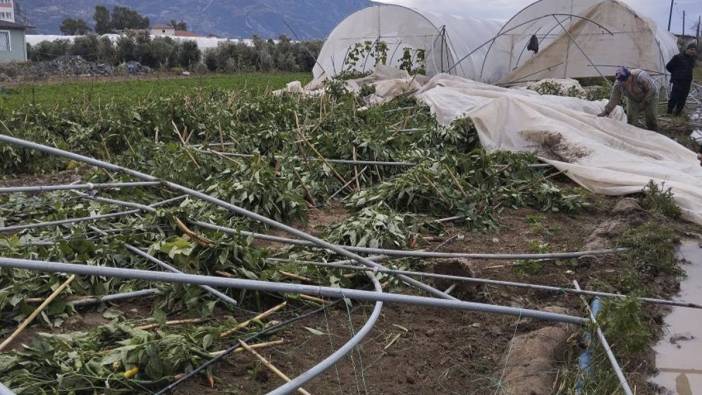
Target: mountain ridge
point(302, 19)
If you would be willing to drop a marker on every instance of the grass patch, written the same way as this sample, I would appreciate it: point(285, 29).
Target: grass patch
point(660, 201)
point(698, 73)
point(125, 91)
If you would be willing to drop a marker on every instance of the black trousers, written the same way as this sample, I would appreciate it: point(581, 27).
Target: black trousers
point(678, 96)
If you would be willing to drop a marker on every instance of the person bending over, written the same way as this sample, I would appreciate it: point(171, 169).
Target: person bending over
point(642, 94)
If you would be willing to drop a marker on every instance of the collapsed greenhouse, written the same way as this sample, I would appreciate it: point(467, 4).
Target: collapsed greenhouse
point(578, 39)
point(547, 39)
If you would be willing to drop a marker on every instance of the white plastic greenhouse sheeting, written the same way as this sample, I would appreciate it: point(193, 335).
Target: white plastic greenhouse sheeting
point(446, 38)
point(604, 155)
point(635, 41)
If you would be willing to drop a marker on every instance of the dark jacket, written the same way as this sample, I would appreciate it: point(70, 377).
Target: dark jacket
point(681, 67)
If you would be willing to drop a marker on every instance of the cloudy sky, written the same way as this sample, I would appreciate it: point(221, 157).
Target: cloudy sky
point(504, 9)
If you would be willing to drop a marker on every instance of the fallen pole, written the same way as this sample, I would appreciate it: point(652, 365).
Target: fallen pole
point(15, 228)
point(267, 286)
point(414, 254)
point(270, 366)
point(202, 196)
point(172, 269)
point(72, 187)
point(610, 355)
point(115, 297)
point(36, 312)
point(548, 288)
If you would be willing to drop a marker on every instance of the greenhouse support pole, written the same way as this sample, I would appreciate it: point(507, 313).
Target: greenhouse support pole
point(610, 355)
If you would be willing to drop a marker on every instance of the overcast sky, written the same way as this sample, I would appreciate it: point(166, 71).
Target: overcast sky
point(504, 9)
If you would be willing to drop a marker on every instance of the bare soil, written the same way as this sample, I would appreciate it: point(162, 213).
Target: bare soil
point(420, 350)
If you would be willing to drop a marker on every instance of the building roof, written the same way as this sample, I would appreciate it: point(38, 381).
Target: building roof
point(183, 33)
point(162, 26)
point(12, 25)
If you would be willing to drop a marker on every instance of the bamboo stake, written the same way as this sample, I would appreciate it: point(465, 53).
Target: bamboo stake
point(172, 323)
point(257, 318)
point(296, 276)
point(270, 366)
point(355, 170)
point(36, 312)
point(254, 346)
point(313, 299)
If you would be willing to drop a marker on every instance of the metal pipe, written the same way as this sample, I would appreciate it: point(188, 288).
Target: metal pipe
point(414, 254)
point(267, 331)
point(548, 288)
point(336, 161)
point(70, 187)
point(610, 355)
point(315, 159)
point(217, 202)
point(115, 297)
point(502, 33)
point(171, 269)
point(267, 286)
point(337, 355)
point(138, 206)
point(583, 52)
point(15, 228)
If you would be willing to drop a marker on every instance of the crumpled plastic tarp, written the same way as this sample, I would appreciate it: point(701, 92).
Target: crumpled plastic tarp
point(604, 155)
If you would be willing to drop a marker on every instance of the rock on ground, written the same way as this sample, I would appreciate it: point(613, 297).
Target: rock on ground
point(531, 360)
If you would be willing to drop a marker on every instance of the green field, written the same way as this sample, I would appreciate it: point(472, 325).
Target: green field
point(52, 94)
point(698, 73)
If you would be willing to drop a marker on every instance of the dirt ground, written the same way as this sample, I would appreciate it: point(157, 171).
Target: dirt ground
point(420, 350)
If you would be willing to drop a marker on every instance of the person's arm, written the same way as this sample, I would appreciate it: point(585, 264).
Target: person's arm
point(648, 85)
point(614, 99)
point(671, 65)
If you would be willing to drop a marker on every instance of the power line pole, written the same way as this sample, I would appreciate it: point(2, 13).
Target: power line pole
point(670, 17)
point(683, 24)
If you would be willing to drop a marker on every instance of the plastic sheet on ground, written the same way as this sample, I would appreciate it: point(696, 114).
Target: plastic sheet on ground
point(604, 155)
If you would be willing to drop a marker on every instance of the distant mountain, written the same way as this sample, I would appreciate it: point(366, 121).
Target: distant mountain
point(310, 19)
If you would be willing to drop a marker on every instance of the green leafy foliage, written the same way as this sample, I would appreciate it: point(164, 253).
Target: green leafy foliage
point(658, 200)
point(476, 185)
point(117, 358)
point(652, 249)
point(375, 227)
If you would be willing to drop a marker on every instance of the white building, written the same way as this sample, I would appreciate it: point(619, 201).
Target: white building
point(160, 30)
point(7, 10)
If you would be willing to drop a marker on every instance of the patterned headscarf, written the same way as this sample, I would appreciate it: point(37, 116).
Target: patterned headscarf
point(622, 74)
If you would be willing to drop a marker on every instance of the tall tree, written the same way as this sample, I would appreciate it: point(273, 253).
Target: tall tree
point(124, 18)
point(74, 27)
point(180, 26)
point(102, 20)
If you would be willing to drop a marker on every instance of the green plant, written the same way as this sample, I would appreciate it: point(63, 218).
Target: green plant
point(651, 249)
point(657, 199)
point(375, 227)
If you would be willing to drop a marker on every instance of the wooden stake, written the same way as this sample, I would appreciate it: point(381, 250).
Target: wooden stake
point(36, 312)
point(313, 299)
point(254, 346)
point(172, 323)
point(270, 366)
point(355, 170)
point(198, 239)
point(257, 318)
point(296, 276)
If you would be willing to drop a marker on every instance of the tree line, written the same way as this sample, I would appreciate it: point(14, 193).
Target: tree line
point(110, 21)
point(164, 53)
